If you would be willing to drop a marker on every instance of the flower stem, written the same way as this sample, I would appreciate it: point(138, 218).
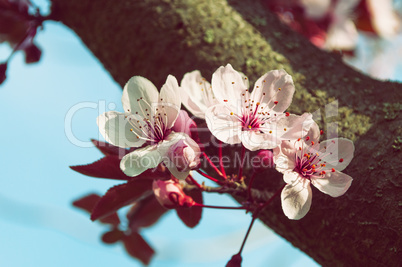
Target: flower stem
point(248, 232)
point(209, 177)
point(194, 182)
point(219, 207)
point(249, 196)
point(221, 160)
point(213, 165)
point(243, 152)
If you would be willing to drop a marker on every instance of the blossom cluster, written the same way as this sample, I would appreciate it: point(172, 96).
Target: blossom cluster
point(155, 146)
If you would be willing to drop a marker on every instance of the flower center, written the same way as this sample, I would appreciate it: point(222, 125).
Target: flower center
point(149, 122)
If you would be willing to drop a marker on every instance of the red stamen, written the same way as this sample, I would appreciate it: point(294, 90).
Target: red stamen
point(341, 160)
point(287, 114)
point(275, 102)
point(333, 170)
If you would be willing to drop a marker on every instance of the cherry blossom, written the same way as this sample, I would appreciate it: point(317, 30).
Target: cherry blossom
point(148, 119)
point(308, 161)
point(256, 119)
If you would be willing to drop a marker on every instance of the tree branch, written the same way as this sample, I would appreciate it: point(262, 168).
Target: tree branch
point(154, 38)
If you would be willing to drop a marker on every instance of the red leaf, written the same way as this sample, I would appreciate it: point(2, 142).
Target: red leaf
point(191, 216)
point(145, 213)
point(107, 167)
point(120, 196)
point(108, 149)
point(89, 202)
point(138, 248)
point(112, 236)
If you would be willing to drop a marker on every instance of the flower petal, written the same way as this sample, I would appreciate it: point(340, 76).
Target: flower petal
point(117, 130)
point(228, 84)
point(181, 175)
point(170, 100)
point(277, 86)
point(196, 93)
point(334, 184)
point(136, 88)
point(296, 199)
point(140, 160)
point(282, 161)
point(336, 153)
point(253, 140)
point(294, 127)
point(222, 125)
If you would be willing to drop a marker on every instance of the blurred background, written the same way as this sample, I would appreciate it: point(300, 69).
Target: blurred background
point(49, 112)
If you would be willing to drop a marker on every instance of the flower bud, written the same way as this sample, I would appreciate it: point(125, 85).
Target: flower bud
point(170, 194)
point(263, 160)
point(185, 154)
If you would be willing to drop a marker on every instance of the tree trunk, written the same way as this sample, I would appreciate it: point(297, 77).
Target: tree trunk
point(154, 38)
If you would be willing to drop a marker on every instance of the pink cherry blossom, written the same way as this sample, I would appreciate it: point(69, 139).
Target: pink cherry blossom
point(258, 119)
point(170, 194)
point(308, 161)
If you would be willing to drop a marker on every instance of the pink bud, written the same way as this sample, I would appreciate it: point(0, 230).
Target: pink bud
point(170, 194)
point(184, 124)
point(185, 154)
point(263, 160)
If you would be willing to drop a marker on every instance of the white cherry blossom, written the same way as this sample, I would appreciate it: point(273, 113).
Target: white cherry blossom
point(308, 161)
point(258, 119)
point(147, 119)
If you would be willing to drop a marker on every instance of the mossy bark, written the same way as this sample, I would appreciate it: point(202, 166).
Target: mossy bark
point(154, 38)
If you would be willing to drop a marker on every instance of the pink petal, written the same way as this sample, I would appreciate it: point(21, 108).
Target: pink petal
point(170, 99)
point(336, 153)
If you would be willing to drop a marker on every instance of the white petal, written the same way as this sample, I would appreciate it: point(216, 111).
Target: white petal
point(294, 127)
point(182, 175)
point(253, 140)
point(117, 130)
point(282, 162)
point(170, 99)
point(136, 88)
point(269, 84)
point(296, 199)
point(291, 177)
point(228, 84)
point(385, 20)
point(222, 125)
point(313, 133)
point(140, 160)
point(196, 93)
point(334, 184)
point(336, 153)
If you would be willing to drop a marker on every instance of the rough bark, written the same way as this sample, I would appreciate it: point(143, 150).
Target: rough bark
point(154, 38)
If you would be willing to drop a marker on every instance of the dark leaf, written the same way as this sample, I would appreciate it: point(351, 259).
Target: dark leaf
point(89, 202)
point(191, 216)
point(112, 236)
point(235, 261)
point(108, 149)
point(120, 196)
point(138, 248)
point(107, 167)
point(145, 213)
